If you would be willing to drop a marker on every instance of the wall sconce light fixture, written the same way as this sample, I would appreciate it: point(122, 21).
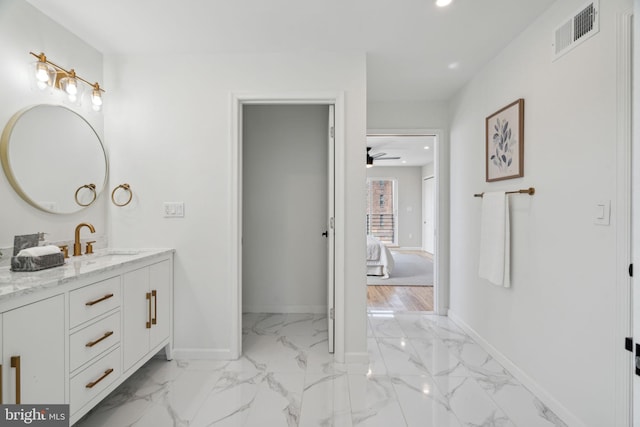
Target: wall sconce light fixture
point(48, 74)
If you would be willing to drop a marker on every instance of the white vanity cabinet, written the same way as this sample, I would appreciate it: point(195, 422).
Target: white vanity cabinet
point(33, 356)
point(74, 333)
point(147, 311)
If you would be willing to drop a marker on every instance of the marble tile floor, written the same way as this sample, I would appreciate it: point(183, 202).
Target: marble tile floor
point(423, 371)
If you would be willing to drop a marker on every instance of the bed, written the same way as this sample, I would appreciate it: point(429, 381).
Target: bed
point(379, 258)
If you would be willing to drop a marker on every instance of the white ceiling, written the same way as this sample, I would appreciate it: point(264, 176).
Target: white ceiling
point(410, 148)
point(415, 50)
point(410, 44)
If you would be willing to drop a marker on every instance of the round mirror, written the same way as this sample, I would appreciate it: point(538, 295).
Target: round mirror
point(53, 158)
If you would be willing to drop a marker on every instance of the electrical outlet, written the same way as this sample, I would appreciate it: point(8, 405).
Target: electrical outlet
point(173, 209)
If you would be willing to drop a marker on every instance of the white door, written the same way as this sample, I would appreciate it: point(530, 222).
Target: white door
point(160, 284)
point(331, 230)
point(428, 214)
point(137, 312)
point(34, 353)
point(635, 291)
point(635, 225)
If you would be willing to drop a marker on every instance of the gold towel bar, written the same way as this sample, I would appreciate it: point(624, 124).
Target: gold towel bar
point(530, 191)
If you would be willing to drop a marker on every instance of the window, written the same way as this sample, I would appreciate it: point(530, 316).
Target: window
point(381, 211)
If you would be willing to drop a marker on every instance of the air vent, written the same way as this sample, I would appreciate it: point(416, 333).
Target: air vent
point(576, 30)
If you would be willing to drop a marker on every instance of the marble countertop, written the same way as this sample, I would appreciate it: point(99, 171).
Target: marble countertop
point(14, 284)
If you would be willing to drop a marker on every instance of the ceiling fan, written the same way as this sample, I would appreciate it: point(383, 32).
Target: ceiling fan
point(377, 156)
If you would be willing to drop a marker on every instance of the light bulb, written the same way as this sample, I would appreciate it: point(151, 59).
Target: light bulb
point(42, 72)
point(96, 97)
point(71, 87)
point(443, 3)
point(96, 100)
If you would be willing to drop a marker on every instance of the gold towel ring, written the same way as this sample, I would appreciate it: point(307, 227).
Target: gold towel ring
point(125, 187)
point(92, 188)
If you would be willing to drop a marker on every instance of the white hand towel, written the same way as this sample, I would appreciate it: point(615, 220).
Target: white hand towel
point(39, 251)
point(495, 239)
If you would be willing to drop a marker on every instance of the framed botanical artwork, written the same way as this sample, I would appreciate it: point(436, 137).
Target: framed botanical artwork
point(505, 143)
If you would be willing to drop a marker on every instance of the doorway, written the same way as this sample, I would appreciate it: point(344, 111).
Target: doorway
point(285, 203)
point(273, 185)
point(406, 158)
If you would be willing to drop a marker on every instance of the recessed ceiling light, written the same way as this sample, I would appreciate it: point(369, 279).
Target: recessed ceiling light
point(443, 3)
point(453, 65)
point(404, 161)
point(426, 147)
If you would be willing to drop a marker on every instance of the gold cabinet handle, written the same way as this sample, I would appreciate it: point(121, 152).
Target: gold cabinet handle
point(93, 383)
point(149, 299)
point(90, 303)
point(105, 336)
point(15, 363)
point(154, 294)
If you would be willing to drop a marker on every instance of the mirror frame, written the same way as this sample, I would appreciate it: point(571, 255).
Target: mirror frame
point(8, 171)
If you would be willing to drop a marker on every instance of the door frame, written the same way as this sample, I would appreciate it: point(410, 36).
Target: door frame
point(424, 211)
point(628, 168)
point(441, 221)
point(237, 101)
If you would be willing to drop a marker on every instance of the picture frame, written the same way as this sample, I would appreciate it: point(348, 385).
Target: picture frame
point(504, 155)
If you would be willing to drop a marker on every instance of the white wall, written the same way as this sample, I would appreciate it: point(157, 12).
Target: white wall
point(557, 322)
point(169, 127)
point(409, 201)
point(23, 29)
point(407, 114)
point(284, 187)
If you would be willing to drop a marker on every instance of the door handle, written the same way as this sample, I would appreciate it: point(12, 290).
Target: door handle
point(148, 296)
point(154, 295)
point(15, 363)
point(326, 233)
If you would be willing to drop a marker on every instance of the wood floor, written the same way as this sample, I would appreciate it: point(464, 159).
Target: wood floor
point(401, 298)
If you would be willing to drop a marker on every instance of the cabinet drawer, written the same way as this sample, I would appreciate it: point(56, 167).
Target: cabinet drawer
point(93, 300)
point(89, 342)
point(88, 383)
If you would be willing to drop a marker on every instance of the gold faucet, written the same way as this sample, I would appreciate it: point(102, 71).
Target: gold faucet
point(77, 248)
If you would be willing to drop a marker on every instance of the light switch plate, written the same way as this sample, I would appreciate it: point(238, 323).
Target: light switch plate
point(173, 209)
point(602, 213)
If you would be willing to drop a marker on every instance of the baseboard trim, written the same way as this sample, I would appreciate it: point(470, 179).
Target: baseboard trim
point(356, 357)
point(541, 393)
point(202, 354)
point(290, 309)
